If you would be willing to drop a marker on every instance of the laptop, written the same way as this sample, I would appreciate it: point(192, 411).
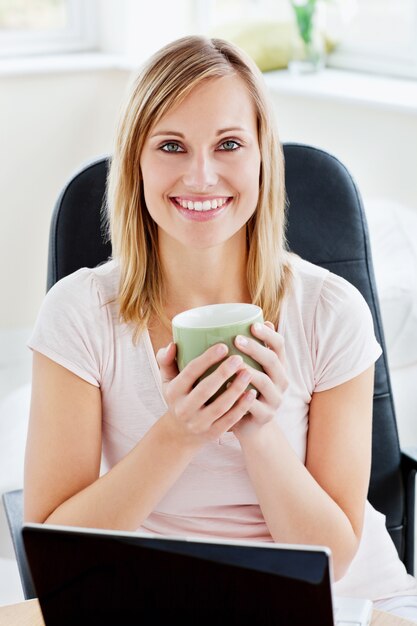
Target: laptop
point(112, 578)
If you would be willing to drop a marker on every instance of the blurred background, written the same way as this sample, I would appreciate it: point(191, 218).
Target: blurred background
point(342, 75)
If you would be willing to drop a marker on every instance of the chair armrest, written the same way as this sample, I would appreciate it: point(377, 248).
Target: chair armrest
point(409, 458)
point(409, 470)
point(13, 506)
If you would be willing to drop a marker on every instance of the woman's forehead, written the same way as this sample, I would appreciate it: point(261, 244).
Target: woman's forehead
point(223, 103)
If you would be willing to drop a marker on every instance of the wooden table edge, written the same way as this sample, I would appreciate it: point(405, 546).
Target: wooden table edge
point(28, 613)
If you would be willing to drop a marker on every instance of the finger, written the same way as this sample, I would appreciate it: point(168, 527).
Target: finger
point(267, 358)
point(270, 338)
point(228, 398)
point(261, 412)
point(271, 393)
point(210, 384)
point(266, 332)
point(165, 358)
point(241, 408)
point(199, 366)
point(272, 327)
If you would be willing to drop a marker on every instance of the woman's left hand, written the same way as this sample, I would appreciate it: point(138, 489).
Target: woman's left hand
point(270, 384)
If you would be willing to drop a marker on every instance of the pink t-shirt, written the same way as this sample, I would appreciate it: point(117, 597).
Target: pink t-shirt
point(329, 339)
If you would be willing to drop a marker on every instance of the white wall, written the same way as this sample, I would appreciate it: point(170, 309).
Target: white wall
point(49, 125)
point(378, 146)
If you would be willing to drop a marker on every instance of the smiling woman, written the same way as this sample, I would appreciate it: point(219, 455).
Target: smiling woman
point(208, 174)
point(204, 132)
point(196, 208)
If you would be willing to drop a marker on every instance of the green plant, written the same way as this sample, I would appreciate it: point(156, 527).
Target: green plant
point(304, 14)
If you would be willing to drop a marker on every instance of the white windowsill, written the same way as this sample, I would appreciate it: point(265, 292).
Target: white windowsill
point(71, 62)
point(391, 94)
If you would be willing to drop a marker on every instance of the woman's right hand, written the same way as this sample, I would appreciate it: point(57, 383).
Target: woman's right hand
point(191, 419)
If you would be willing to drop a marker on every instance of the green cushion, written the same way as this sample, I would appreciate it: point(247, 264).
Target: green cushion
point(268, 43)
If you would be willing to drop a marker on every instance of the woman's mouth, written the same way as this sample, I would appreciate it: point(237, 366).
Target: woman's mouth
point(201, 210)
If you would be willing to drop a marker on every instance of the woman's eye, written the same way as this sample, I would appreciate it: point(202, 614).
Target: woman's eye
point(229, 145)
point(171, 146)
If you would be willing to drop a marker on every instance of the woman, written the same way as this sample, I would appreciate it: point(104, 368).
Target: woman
point(196, 216)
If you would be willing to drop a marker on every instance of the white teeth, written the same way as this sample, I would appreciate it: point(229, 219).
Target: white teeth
point(207, 205)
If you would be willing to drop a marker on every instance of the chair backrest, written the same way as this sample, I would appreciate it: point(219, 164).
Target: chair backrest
point(326, 225)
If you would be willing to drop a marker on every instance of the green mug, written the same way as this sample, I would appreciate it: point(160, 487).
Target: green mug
point(195, 330)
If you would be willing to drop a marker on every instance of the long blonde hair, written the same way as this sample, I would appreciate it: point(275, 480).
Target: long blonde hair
point(167, 78)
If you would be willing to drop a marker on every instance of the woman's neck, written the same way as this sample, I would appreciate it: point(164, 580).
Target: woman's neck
point(210, 276)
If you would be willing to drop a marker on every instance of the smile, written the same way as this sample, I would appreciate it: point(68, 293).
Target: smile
point(200, 205)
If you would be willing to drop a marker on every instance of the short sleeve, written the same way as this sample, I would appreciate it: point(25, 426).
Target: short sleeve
point(71, 326)
point(344, 336)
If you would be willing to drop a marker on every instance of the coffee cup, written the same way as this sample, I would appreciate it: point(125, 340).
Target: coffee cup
point(195, 330)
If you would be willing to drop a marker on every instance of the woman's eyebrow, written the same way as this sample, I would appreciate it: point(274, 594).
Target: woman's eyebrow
point(230, 130)
point(168, 132)
point(177, 134)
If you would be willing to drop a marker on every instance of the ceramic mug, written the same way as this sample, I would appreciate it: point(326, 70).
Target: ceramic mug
point(195, 330)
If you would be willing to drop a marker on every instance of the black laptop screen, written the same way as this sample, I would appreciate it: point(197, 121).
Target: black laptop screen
point(104, 579)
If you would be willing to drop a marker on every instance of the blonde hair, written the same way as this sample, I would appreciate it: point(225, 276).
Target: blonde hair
point(167, 78)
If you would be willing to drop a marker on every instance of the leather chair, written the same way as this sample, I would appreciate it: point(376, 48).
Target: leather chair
point(326, 226)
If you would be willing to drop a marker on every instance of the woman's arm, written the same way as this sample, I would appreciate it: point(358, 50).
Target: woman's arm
point(63, 452)
point(322, 502)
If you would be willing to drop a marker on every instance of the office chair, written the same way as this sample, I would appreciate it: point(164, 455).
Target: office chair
point(326, 226)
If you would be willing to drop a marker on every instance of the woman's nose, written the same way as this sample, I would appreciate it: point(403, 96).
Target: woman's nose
point(200, 173)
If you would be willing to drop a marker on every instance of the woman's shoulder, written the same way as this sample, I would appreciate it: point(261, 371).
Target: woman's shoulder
point(74, 326)
point(97, 285)
point(319, 294)
point(307, 281)
point(312, 281)
point(330, 317)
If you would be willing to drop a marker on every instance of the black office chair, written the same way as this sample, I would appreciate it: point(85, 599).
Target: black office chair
point(327, 226)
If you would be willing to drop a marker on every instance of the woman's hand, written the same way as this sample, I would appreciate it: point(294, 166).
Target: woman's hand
point(190, 419)
point(272, 383)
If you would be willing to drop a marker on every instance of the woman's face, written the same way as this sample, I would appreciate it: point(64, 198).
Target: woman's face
point(201, 162)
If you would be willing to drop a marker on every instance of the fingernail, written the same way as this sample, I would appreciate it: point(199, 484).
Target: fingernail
point(222, 349)
point(242, 341)
point(160, 353)
point(258, 327)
